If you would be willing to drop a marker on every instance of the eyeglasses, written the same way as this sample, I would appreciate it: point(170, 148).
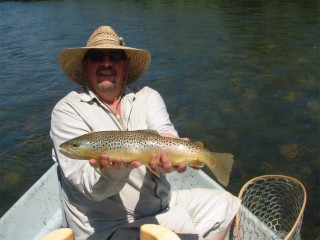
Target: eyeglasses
point(95, 55)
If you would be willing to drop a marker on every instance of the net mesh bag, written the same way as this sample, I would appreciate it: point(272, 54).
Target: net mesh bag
point(272, 208)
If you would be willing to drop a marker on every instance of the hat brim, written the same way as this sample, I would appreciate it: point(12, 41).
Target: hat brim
point(71, 62)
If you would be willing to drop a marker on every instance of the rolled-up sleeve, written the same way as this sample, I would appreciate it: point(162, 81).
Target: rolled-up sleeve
point(157, 115)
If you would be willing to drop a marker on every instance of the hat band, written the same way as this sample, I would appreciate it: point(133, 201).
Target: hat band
point(105, 42)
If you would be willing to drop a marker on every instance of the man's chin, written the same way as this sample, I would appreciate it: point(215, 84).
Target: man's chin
point(104, 86)
point(101, 87)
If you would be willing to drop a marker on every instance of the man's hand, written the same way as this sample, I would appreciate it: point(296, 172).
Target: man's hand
point(165, 164)
point(106, 163)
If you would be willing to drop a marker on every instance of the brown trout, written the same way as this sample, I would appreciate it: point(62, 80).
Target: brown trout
point(139, 145)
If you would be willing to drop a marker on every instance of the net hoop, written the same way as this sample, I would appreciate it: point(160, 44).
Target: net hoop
point(297, 223)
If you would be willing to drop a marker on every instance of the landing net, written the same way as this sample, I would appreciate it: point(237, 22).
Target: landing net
point(272, 208)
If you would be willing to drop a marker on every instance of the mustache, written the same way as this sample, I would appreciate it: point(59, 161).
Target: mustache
point(105, 68)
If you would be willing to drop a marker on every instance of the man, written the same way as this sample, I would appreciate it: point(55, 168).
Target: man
point(114, 204)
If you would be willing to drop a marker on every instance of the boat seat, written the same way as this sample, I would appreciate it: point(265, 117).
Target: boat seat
point(60, 234)
point(147, 232)
point(156, 232)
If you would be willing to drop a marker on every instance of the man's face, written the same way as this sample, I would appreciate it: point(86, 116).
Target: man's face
point(106, 70)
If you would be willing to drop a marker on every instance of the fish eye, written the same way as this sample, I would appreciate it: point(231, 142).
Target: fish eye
point(75, 145)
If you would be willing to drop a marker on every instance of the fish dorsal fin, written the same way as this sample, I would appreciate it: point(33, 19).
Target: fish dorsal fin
point(199, 144)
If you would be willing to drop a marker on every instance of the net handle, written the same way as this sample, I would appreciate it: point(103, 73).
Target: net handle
point(274, 176)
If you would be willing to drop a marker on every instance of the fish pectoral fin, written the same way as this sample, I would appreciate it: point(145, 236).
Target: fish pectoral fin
point(199, 144)
point(99, 167)
point(100, 170)
point(153, 172)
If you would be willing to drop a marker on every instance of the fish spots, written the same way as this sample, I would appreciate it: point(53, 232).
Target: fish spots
point(141, 144)
point(128, 142)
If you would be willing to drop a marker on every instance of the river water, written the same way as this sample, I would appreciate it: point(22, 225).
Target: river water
point(242, 76)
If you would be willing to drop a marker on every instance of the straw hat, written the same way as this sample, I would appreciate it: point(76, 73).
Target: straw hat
point(103, 37)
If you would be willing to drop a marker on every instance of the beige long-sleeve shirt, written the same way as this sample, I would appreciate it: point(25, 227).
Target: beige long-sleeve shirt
point(96, 205)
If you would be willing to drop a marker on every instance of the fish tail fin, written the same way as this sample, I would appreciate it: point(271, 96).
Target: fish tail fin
point(220, 165)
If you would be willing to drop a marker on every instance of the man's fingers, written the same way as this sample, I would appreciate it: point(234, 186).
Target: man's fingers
point(134, 164)
point(166, 164)
point(185, 139)
point(181, 168)
point(93, 163)
point(153, 164)
point(105, 161)
point(118, 163)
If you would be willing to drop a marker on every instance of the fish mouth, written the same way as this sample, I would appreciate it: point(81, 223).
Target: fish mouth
point(67, 153)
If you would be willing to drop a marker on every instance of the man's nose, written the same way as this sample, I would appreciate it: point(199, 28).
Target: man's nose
point(106, 60)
